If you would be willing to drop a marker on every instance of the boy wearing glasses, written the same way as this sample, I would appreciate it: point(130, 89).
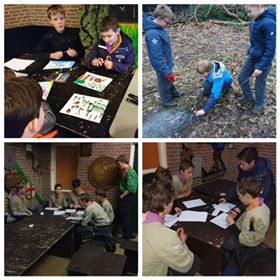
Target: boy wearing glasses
point(159, 52)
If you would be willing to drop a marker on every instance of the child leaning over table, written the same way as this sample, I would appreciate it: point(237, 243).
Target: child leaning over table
point(114, 51)
point(164, 251)
point(217, 80)
point(60, 43)
point(248, 232)
point(105, 203)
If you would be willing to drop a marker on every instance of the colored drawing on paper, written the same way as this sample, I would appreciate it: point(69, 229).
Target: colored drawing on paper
point(93, 81)
point(85, 107)
point(46, 88)
point(57, 64)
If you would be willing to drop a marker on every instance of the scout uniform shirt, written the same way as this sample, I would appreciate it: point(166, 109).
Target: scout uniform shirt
point(129, 181)
point(73, 198)
point(95, 215)
point(253, 224)
point(18, 204)
point(107, 206)
point(58, 202)
point(178, 184)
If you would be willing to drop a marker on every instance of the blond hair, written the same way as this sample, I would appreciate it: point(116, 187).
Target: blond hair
point(163, 11)
point(55, 9)
point(203, 66)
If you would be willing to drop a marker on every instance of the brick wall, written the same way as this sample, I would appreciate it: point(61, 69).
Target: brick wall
point(102, 149)
point(204, 150)
point(40, 182)
point(23, 15)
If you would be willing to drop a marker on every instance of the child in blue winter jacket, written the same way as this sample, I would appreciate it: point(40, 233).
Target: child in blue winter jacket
point(259, 57)
point(159, 52)
point(216, 79)
point(114, 51)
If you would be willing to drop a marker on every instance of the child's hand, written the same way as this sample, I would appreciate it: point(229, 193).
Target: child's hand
point(181, 234)
point(97, 62)
point(222, 200)
point(256, 73)
point(200, 113)
point(178, 211)
point(237, 210)
point(72, 52)
point(170, 77)
point(56, 55)
point(230, 219)
point(108, 64)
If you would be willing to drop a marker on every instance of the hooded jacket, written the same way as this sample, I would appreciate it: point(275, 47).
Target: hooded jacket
point(158, 45)
point(263, 38)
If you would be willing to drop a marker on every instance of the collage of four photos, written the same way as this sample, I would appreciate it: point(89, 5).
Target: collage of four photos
point(139, 139)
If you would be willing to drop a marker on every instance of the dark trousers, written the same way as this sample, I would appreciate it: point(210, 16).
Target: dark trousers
point(194, 269)
point(123, 210)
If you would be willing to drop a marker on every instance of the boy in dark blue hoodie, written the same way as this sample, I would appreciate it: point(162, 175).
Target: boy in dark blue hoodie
point(114, 51)
point(259, 57)
point(251, 165)
point(159, 52)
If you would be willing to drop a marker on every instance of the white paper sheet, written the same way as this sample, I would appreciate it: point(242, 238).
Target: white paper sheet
point(59, 64)
point(58, 212)
point(215, 212)
point(70, 211)
point(74, 218)
point(193, 216)
point(80, 213)
point(51, 209)
point(170, 220)
point(224, 206)
point(194, 203)
point(220, 221)
point(18, 64)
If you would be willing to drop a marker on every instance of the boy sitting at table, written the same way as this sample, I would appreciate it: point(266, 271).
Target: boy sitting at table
point(74, 196)
point(105, 203)
point(57, 198)
point(248, 232)
point(95, 223)
point(60, 43)
point(165, 251)
point(182, 180)
point(26, 115)
point(114, 51)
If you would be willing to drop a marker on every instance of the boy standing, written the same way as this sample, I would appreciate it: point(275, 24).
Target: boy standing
point(249, 230)
point(182, 180)
point(106, 205)
point(259, 57)
point(114, 51)
point(217, 79)
point(60, 43)
point(159, 52)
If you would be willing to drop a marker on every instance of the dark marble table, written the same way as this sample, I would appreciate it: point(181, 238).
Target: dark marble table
point(61, 92)
point(205, 239)
point(25, 244)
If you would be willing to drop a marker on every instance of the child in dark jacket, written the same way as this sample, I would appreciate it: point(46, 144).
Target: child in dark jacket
point(259, 57)
point(60, 43)
point(159, 52)
point(114, 51)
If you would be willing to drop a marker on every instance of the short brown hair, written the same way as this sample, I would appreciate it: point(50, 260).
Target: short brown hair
point(55, 9)
point(101, 193)
point(203, 66)
point(156, 195)
point(123, 159)
point(109, 22)
point(249, 185)
point(84, 197)
point(163, 175)
point(163, 11)
point(9, 73)
point(57, 186)
point(248, 154)
point(23, 99)
point(185, 164)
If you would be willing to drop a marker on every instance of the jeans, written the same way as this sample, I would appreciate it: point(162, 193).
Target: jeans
point(246, 71)
point(166, 88)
